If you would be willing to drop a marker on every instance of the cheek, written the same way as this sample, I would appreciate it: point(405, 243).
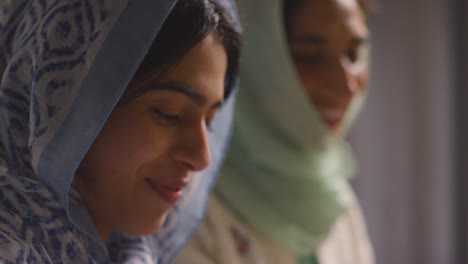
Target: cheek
point(310, 81)
point(124, 144)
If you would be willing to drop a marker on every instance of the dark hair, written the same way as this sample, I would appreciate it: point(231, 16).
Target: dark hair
point(290, 7)
point(189, 22)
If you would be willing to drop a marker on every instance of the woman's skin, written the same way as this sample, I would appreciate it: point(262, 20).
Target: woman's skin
point(326, 39)
point(141, 160)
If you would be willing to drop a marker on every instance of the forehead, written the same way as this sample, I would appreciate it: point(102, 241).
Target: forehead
point(207, 58)
point(203, 68)
point(332, 16)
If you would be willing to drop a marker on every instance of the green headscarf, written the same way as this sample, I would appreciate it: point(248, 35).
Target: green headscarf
point(285, 174)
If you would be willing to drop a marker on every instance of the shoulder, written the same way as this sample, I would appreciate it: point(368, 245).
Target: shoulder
point(348, 241)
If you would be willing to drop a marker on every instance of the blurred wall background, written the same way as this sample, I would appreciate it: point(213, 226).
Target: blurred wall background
point(410, 140)
point(461, 57)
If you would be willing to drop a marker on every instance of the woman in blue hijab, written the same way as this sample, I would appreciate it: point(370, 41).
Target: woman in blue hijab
point(105, 110)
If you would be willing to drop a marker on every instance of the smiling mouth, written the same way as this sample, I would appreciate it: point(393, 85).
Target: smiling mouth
point(167, 193)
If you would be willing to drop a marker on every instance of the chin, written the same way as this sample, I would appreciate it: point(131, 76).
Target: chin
point(337, 131)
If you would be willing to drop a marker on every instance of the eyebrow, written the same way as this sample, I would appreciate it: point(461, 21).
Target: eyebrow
point(189, 92)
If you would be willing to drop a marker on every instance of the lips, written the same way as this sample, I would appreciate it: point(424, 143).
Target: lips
point(169, 192)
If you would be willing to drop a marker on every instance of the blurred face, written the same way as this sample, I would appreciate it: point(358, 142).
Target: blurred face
point(326, 39)
point(141, 160)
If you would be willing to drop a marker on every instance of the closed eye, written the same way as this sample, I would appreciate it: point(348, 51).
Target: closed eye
point(168, 117)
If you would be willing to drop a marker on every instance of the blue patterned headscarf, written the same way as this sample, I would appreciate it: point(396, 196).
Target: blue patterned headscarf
point(64, 65)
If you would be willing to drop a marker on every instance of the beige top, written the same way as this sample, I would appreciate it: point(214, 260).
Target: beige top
point(223, 239)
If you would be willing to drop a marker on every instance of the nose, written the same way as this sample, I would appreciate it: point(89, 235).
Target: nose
point(192, 149)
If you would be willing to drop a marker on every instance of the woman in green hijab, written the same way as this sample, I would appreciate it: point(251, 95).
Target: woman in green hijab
point(283, 195)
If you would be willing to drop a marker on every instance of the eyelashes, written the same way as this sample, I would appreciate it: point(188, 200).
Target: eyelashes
point(175, 119)
point(171, 118)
